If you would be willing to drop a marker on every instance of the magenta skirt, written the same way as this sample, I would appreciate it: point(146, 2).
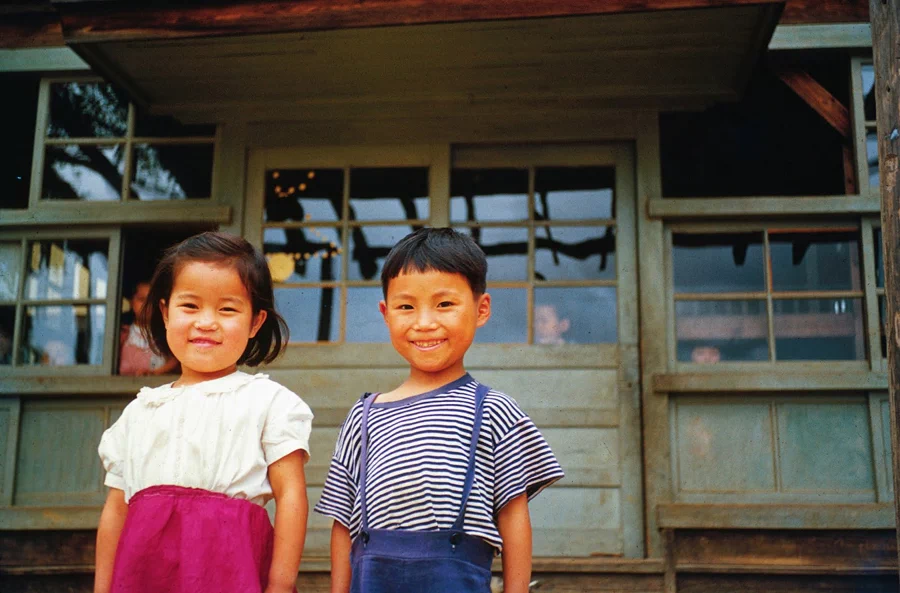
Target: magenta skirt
point(187, 540)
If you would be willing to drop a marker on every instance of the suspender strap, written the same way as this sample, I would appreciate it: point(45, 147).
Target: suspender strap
point(480, 393)
point(363, 461)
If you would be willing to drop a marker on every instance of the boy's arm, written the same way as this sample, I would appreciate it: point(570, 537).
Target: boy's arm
point(112, 519)
point(340, 558)
point(291, 510)
point(514, 525)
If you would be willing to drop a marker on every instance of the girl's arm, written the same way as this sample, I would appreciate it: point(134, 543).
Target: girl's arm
point(514, 525)
point(340, 558)
point(291, 510)
point(112, 519)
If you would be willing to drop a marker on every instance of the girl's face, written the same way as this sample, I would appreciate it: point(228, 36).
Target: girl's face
point(209, 320)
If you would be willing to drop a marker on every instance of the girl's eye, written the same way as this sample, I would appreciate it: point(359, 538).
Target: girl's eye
point(188, 306)
point(229, 309)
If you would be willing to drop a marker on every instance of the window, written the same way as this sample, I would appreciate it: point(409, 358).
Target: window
point(863, 83)
point(773, 294)
point(100, 148)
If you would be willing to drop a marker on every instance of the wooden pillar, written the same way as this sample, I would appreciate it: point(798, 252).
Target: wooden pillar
point(885, 17)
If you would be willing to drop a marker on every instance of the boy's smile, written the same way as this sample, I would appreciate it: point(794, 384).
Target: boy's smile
point(432, 317)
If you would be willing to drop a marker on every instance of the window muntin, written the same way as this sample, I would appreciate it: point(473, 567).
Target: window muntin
point(558, 255)
point(326, 233)
point(770, 295)
point(879, 288)
point(98, 147)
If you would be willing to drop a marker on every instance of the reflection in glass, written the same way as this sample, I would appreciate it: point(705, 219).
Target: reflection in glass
point(312, 313)
point(509, 317)
point(488, 195)
point(815, 261)
point(574, 193)
point(83, 172)
point(570, 253)
point(309, 254)
point(7, 328)
point(10, 270)
point(819, 329)
point(86, 110)
point(397, 193)
point(67, 269)
point(172, 172)
point(295, 195)
point(872, 157)
point(506, 250)
point(63, 335)
point(727, 331)
point(718, 263)
point(369, 245)
point(879, 259)
point(882, 316)
point(868, 89)
point(575, 315)
point(163, 126)
point(364, 321)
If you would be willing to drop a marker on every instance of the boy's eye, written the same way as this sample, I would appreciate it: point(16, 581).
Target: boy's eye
point(445, 304)
point(405, 307)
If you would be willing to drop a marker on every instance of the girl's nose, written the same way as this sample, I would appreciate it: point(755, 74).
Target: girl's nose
point(205, 321)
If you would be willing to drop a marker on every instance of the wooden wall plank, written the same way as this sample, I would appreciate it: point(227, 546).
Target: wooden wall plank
point(769, 380)
point(10, 411)
point(825, 11)
point(781, 516)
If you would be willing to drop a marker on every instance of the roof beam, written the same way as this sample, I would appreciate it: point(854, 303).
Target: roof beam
point(817, 97)
point(97, 22)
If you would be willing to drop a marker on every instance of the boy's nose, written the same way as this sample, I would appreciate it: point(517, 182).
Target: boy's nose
point(425, 320)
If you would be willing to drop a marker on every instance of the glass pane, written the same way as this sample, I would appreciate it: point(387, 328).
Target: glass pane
point(815, 261)
point(721, 331)
point(364, 320)
point(10, 270)
point(295, 195)
point(506, 250)
point(574, 193)
point(879, 259)
point(312, 314)
point(85, 110)
point(575, 253)
point(20, 97)
point(819, 329)
point(882, 316)
point(63, 335)
point(488, 195)
point(868, 89)
point(369, 246)
point(303, 255)
point(172, 172)
point(718, 263)
point(399, 193)
point(7, 327)
point(872, 157)
point(509, 317)
point(67, 269)
point(164, 126)
point(83, 172)
point(575, 315)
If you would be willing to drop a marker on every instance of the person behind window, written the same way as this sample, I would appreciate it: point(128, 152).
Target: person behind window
point(5, 346)
point(135, 355)
point(406, 518)
point(191, 464)
point(548, 327)
point(706, 354)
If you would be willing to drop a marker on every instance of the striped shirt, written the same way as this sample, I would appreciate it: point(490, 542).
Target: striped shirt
point(418, 456)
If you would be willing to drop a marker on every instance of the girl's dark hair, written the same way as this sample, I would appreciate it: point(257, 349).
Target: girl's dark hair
point(438, 249)
point(251, 266)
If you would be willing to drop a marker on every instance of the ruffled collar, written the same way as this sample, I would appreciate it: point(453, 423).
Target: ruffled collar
point(157, 396)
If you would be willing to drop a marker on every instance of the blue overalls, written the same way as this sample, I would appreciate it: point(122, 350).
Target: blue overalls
point(400, 561)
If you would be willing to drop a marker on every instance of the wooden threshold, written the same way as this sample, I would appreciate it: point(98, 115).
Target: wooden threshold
point(776, 516)
point(787, 569)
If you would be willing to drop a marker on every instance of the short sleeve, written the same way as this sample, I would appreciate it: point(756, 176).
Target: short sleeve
point(523, 461)
point(112, 452)
point(287, 428)
point(338, 499)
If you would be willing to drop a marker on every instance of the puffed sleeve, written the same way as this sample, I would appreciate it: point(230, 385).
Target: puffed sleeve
point(287, 428)
point(112, 451)
point(523, 461)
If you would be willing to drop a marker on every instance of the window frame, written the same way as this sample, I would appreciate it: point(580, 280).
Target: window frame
point(861, 127)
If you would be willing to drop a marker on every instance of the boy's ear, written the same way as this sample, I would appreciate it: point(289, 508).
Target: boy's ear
point(382, 306)
point(257, 323)
point(483, 308)
point(165, 313)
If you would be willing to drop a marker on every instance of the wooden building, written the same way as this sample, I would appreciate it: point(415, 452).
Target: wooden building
point(679, 203)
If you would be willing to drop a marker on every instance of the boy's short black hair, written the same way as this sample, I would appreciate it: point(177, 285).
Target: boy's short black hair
point(437, 249)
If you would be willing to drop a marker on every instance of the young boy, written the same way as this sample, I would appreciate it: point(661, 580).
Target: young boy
point(430, 480)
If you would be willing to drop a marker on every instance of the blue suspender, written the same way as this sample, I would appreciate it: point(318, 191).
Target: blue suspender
point(480, 393)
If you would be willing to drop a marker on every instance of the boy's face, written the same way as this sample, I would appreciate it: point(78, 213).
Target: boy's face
point(432, 317)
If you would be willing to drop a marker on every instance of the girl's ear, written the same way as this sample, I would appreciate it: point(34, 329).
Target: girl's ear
point(483, 307)
point(257, 323)
point(165, 313)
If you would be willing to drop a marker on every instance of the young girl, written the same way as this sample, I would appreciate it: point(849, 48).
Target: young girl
point(191, 464)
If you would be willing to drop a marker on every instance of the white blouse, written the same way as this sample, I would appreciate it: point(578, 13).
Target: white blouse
point(219, 435)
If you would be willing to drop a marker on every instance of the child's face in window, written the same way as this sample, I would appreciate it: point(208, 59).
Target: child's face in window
point(139, 298)
point(432, 317)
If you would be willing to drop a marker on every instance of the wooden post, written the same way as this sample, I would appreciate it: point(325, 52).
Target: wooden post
point(885, 17)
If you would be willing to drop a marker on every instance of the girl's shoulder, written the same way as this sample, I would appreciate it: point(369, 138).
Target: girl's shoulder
point(238, 383)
